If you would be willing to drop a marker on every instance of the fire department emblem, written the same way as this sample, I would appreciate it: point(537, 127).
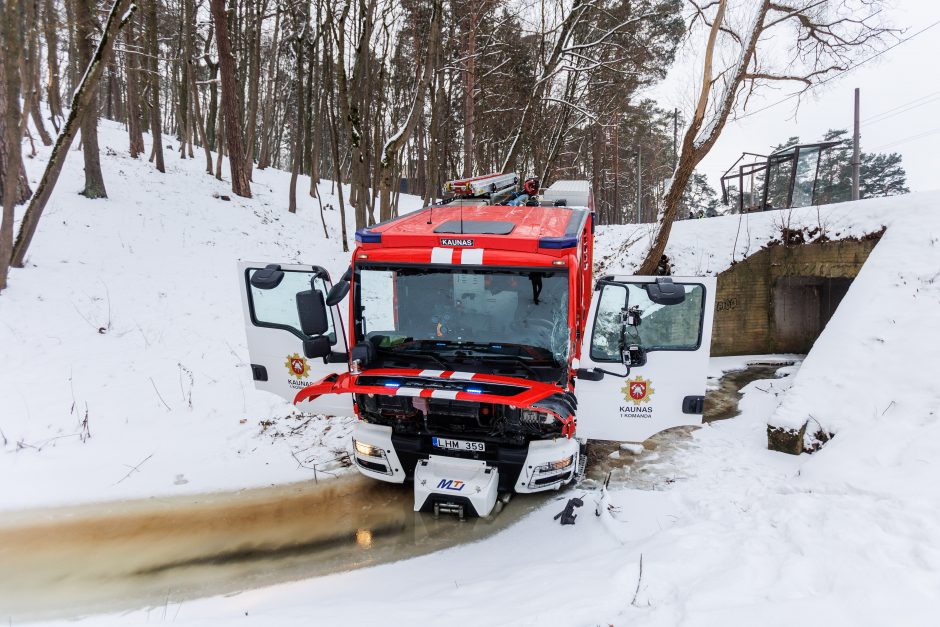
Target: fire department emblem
point(297, 366)
point(638, 390)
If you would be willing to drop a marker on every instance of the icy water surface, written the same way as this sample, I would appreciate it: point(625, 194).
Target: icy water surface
point(160, 552)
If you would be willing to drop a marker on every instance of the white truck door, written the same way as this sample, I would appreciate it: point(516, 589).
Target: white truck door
point(284, 359)
point(669, 350)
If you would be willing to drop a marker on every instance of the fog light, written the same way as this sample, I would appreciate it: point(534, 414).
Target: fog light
point(368, 450)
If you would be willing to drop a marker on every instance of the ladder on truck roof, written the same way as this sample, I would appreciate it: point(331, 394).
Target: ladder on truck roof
point(489, 185)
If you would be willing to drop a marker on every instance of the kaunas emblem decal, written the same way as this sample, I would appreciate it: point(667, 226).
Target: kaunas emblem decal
point(298, 366)
point(638, 390)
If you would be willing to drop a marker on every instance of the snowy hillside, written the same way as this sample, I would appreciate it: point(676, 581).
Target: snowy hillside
point(128, 313)
point(709, 246)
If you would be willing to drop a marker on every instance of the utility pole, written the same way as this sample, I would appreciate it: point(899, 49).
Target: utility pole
point(856, 156)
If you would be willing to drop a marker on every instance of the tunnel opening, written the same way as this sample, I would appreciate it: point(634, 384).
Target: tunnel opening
point(802, 306)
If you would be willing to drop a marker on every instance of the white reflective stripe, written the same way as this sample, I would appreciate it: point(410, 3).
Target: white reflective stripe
point(466, 376)
point(430, 373)
point(442, 255)
point(472, 256)
point(408, 392)
point(451, 394)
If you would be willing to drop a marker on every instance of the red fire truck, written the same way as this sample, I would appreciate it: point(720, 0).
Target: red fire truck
point(478, 352)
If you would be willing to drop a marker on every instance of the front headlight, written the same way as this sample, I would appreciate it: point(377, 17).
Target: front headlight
point(534, 417)
point(561, 464)
point(367, 450)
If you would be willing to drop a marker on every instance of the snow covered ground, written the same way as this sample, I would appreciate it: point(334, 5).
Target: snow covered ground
point(128, 313)
point(735, 535)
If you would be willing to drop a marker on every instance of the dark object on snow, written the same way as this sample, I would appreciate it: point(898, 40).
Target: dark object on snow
point(567, 515)
point(225, 197)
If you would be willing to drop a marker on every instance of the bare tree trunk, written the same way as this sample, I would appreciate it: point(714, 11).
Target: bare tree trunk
point(50, 20)
point(393, 147)
point(240, 183)
point(131, 65)
point(10, 152)
point(200, 125)
point(153, 45)
point(82, 99)
point(21, 183)
point(267, 115)
point(254, 80)
point(85, 29)
point(297, 140)
point(185, 84)
point(469, 81)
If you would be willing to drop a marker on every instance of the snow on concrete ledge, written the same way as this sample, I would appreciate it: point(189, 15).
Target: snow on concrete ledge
point(871, 378)
point(709, 246)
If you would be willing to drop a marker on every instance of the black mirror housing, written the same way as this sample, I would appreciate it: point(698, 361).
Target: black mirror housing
point(590, 375)
point(665, 292)
point(318, 346)
point(337, 293)
point(267, 278)
point(312, 313)
point(364, 353)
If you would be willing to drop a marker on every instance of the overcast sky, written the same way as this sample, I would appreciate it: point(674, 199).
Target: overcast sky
point(904, 82)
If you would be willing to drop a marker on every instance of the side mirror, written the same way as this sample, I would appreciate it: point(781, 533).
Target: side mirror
point(268, 277)
point(312, 313)
point(665, 292)
point(318, 346)
point(590, 375)
point(337, 293)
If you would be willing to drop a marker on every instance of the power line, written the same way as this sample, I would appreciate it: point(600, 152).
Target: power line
point(904, 140)
point(885, 114)
point(838, 74)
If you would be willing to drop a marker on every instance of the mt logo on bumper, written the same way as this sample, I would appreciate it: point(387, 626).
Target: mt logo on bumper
point(451, 484)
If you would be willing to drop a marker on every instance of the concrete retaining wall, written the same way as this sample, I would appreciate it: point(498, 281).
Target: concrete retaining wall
point(779, 299)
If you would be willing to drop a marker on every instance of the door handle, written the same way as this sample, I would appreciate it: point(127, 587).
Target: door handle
point(693, 404)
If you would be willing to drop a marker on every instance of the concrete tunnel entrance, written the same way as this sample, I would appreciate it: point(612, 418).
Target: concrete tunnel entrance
point(780, 299)
point(803, 307)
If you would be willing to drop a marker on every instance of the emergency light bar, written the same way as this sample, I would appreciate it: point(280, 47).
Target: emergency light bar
point(481, 185)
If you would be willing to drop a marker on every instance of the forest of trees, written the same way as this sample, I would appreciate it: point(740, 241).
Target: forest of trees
point(390, 96)
point(386, 95)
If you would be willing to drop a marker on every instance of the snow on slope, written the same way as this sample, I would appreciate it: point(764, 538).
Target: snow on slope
point(128, 311)
point(710, 245)
point(871, 378)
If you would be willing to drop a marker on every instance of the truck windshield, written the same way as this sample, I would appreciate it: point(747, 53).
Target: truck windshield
point(450, 315)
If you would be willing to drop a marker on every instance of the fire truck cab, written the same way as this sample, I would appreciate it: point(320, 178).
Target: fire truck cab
point(480, 353)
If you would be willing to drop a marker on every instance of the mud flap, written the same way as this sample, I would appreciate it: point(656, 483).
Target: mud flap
point(464, 487)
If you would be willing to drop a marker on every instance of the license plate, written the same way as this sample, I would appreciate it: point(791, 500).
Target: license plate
point(458, 445)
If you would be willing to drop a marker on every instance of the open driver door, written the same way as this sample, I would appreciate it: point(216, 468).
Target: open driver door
point(295, 331)
point(644, 360)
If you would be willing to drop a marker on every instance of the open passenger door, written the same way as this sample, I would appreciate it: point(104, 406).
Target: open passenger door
point(294, 338)
point(644, 358)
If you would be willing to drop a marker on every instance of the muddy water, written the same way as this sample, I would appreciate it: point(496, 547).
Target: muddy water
point(75, 561)
point(722, 403)
point(160, 552)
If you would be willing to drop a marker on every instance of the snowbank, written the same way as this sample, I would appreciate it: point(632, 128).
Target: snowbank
point(128, 314)
point(871, 378)
point(710, 245)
